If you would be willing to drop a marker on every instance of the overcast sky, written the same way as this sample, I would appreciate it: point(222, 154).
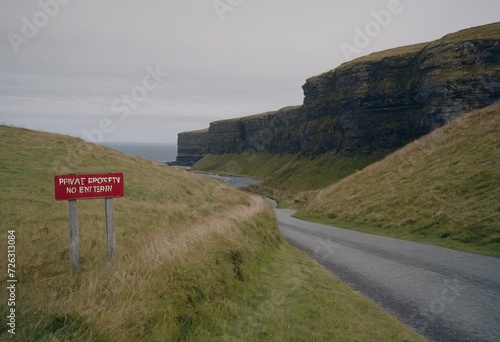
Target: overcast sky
point(130, 70)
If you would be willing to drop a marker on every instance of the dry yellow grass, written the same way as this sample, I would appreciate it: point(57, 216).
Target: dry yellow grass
point(167, 219)
point(162, 246)
point(197, 261)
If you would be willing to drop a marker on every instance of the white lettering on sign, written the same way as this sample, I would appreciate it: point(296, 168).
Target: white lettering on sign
point(71, 181)
point(95, 188)
point(100, 180)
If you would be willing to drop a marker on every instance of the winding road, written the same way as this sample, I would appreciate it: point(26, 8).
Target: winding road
point(233, 181)
point(443, 294)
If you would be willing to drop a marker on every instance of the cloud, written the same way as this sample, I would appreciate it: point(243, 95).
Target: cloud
point(92, 52)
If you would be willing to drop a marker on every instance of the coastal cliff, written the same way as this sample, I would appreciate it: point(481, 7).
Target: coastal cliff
point(191, 147)
point(380, 101)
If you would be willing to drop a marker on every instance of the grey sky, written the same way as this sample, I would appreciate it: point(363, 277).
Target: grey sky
point(81, 57)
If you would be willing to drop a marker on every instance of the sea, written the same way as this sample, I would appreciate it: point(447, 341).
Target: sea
point(160, 152)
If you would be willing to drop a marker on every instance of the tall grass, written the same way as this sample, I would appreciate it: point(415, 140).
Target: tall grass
point(171, 227)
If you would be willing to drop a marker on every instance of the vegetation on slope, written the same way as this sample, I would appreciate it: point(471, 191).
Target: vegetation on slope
point(442, 189)
point(175, 251)
point(295, 299)
point(197, 261)
point(284, 176)
point(259, 165)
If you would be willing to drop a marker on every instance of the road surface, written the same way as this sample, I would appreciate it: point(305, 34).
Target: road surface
point(443, 294)
point(234, 181)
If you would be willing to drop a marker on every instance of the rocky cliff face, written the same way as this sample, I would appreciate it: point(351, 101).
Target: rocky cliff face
point(275, 132)
point(379, 101)
point(191, 147)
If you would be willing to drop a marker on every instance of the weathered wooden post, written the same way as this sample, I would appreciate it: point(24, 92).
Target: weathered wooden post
point(74, 239)
point(110, 228)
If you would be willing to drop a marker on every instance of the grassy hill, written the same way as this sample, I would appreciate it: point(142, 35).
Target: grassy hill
point(443, 189)
point(285, 176)
point(197, 261)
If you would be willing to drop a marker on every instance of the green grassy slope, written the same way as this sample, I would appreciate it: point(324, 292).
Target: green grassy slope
point(285, 176)
point(197, 261)
point(259, 165)
point(443, 189)
point(295, 299)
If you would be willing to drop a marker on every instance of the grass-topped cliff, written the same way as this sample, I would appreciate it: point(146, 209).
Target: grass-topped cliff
point(484, 32)
point(442, 189)
point(374, 103)
point(196, 261)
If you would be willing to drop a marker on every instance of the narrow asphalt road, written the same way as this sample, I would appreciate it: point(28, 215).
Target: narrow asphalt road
point(233, 181)
point(443, 294)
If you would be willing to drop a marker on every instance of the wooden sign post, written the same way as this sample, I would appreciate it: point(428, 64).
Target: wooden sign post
point(74, 239)
point(91, 186)
point(110, 228)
